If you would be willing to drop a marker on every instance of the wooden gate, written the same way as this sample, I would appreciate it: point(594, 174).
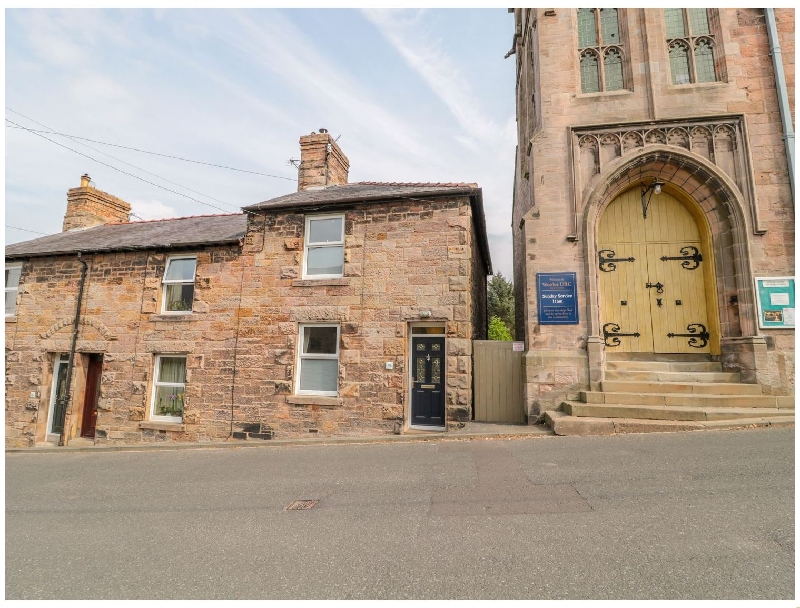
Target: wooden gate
point(497, 373)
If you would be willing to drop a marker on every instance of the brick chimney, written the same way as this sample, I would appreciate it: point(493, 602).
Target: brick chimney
point(87, 207)
point(322, 162)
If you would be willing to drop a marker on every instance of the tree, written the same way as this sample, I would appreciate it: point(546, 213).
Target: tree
point(498, 330)
point(501, 301)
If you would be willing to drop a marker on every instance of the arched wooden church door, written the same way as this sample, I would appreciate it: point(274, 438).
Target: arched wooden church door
point(652, 277)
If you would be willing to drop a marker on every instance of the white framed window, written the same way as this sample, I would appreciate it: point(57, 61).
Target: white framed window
point(169, 384)
point(318, 360)
point(13, 272)
point(323, 250)
point(178, 284)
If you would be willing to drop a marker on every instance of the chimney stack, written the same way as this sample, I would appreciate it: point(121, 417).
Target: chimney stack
point(87, 207)
point(322, 162)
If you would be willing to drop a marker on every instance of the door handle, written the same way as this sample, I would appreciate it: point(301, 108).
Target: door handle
point(659, 287)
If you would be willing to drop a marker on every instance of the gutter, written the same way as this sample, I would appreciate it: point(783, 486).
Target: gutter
point(783, 97)
point(63, 440)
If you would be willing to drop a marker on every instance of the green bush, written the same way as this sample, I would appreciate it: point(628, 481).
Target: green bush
point(498, 330)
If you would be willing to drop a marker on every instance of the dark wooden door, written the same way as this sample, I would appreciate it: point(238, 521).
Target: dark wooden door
point(428, 382)
point(91, 395)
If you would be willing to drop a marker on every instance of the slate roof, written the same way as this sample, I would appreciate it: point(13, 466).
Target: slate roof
point(362, 192)
point(156, 234)
point(376, 192)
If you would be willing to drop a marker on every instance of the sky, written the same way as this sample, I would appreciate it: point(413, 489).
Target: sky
point(412, 95)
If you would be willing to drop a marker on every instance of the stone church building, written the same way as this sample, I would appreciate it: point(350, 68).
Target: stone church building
point(653, 220)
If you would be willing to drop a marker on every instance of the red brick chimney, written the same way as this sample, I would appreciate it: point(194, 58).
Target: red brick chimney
point(322, 162)
point(87, 207)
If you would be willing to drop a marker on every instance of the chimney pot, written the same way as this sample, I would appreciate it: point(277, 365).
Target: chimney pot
point(85, 179)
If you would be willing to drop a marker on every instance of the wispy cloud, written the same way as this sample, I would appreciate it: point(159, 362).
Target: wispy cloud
point(440, 72)
point(152, 210)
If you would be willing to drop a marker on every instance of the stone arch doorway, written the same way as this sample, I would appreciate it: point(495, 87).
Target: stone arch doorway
point(655, 275)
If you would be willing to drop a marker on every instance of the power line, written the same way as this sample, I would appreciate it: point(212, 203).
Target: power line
point(186, 160)
point(120, 170)
point(129, 164)
point(26, 230)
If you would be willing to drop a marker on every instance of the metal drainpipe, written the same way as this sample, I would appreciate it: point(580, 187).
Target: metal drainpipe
point(783, 97)
point(62, 440)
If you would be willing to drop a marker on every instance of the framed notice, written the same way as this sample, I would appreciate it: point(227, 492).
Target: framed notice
point(558, 298)
point(775, 298)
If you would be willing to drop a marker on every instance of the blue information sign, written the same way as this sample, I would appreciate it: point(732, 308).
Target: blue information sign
point(558, 298)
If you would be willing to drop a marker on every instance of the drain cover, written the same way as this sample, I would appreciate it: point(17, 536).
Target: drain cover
point(301, 505)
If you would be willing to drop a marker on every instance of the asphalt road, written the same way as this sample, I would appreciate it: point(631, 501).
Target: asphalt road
point(661, 516)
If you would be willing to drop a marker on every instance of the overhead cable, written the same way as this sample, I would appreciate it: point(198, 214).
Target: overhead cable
point(120, 170)
point(186, 160)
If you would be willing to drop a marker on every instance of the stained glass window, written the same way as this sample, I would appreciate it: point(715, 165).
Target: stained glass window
point(590, 76)
point(609, 23)
point(421, 370)
point(587, 28)
point(704, 62)
point(601, 46)
point(675, 25)
point(613, 69)
point(698, 21)
point(679, 63)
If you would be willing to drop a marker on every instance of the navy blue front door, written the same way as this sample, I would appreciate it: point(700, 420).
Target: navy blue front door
point(428, 387)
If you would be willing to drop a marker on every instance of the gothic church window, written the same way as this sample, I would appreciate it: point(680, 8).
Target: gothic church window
point(601, 50)
point(691, 42)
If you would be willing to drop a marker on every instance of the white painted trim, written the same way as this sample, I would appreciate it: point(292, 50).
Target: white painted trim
point(306, 236)
point(15, 289)
point(164, 282)
point(48, 429)
point(156, 370)
point(299, 358)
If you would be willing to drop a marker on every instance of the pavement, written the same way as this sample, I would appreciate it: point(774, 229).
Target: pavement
point(471, 430)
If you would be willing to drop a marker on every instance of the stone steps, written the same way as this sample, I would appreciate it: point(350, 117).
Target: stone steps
point(651, 376)
point(564, 424)
point(664, 412)
point(700, 400)
point(705, 388)
point(646, 393)
point(665, 366)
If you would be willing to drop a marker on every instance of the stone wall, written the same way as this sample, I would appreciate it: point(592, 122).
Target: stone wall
point(241, 338)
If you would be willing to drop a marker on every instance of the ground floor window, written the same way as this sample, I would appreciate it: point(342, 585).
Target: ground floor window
point(168, 388)
point(318, 360)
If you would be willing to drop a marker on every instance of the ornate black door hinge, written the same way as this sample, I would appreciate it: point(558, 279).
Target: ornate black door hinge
point(697, 332)
point(659, 287)
point(689, 255)
point(610, 260)
point(614, 334)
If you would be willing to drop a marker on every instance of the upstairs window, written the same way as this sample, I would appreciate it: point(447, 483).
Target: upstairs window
point(324, 247)
point(179, 285)
point(691, 43)
point(13, 272)
point(601, 50)
point(318, 369)
point(168, 388)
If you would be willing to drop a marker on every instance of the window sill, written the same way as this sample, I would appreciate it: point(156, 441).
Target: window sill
point(320, 282)
point(180, 318)
point(314, 400)
point(11, 318)
point(162, 426)
point(691, 86)
point(603, 94)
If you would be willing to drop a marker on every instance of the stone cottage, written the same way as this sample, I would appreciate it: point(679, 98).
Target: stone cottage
point(341, 309)
point(653, 218)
